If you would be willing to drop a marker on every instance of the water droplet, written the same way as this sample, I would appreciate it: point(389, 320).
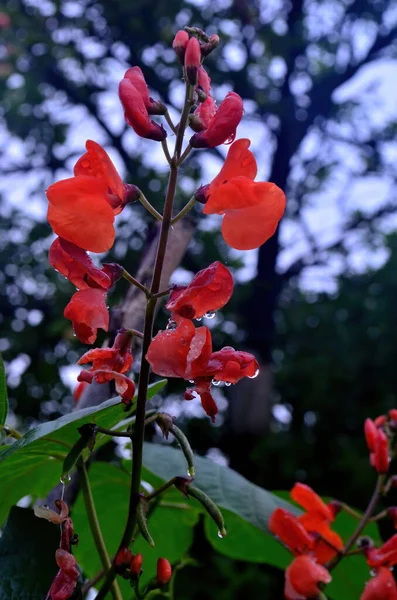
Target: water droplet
point(216, 382)
point(372, 572)
point(74, 335)
point(255, 374)
point(198, 319)
point(222, 534)
point(85, 163)
point(228, 348)
point(65, 479)
point(171, 325)
point(227, 383)
point(210, 315)
point(191, 380)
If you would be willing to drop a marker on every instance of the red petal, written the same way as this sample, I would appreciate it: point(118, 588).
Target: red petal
point(88, 312)
point(209, 290)
point(96, 163)
point(327, 542)
point(240, 162)
point(251, 227)
point(285, 526)
point(136, 113)
point(304, 574)
point(231, 365)
point(199, 353)
point(75, 264)
point(168, 351)
point(223, 125)
point(371, 433)
point(79, 212)
point(381, 587)
point(137, 78)
point(308, 499)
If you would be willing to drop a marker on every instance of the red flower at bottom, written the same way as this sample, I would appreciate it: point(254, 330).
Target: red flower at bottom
point(88, 312)
point(302, 578)
point(125, 387)
point(381, 587)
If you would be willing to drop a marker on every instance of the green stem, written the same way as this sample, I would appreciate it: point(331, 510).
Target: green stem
point(11, 432)
point(139, 432)
point(95, 527)
point(364, 520)
point(187, 208)
point(128, 277)
point(161, 489)
point(114, 433)
point(145, 202)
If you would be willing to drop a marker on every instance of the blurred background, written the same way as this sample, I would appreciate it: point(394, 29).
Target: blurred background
point(316, 304)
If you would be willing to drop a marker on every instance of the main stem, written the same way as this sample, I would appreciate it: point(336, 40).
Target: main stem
point(95, 527)
point(139, 432)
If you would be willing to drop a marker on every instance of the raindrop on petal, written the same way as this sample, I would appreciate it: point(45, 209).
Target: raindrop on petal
point(198, 319)
point(171, 325)
point(254, 375)
point(228, 348)
point(210, 315)
point(216, 382)
point(372, 572)
point(227, 383)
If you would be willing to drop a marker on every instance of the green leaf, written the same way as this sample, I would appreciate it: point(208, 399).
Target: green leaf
point(27, 556)
point(31, 464)
point(3, 394)
point(226, 487)
point(171, 523)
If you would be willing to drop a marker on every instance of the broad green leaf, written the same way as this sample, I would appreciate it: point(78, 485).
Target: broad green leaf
point(31, 464)
point(171, 524)
point(226, 487)
point(3, 393)
point(27, 556)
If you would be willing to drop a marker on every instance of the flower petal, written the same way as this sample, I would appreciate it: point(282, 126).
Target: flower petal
point(239, 162)
point(97, 163)
point(88, 312)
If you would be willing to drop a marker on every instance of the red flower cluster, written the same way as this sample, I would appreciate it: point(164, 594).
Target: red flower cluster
point(251, 209)
point(185, 351)
point(110, 364)
point(383, 586)
point(127, 564)
point(310, 538)
point(377, 441)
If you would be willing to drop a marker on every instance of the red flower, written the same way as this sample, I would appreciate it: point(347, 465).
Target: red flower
point(123, 557)
point(302, 578)
point(209, 290)
point(371, 433)
point(117, 358)
point(179, 44)
point(125, 387)
point(185, 352)
point(137, 78)
point(75, 264)
point(88, 312)
point(82, 209)
point(65, 580)
point(386, 556)
point(378, 444)
point(192, 60)
point(223, 124)
point(201, 118)
point(136, 113)
point(381, 587)
point(164, 571)
point(252, 210)
point(180, 352)
point(287, 528)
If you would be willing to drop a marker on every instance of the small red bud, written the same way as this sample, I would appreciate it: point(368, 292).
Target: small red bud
point(213, 42)
point(381, 420)
point(371, 433)
point(335, 507)
point(86, 376)
point(136, 564)
point(179, 45)
point(131, 193)
point(192, 60)
point(393, 415)
point(201, 194)
point(381, 457)
point(164, 571)
point(123, 557)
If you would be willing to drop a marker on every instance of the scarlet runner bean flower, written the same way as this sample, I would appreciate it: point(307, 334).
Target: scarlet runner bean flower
point(209, 290)
point(186, 352)
point(88, 312)
point(137, 78)
point(378, 445)
point(382, 587)
point(117, 358)
point(302, 578)
point(222, 126)
point(135, 110)
point(82, 208)
point(252, 210)
point(125, 387)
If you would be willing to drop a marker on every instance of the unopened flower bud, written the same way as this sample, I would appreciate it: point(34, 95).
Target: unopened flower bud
point(136, 564)
point(370, 432)
point(201, 194)
point(164, 571)
point(113, 270)
point(335, 506)
point(179, 44)
point(123, 557)
point(131, 193)
point(192, 60)
point(381, 458)
point(181, 483)
point(208, 47)
point(196, 123)
point(381, 420)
